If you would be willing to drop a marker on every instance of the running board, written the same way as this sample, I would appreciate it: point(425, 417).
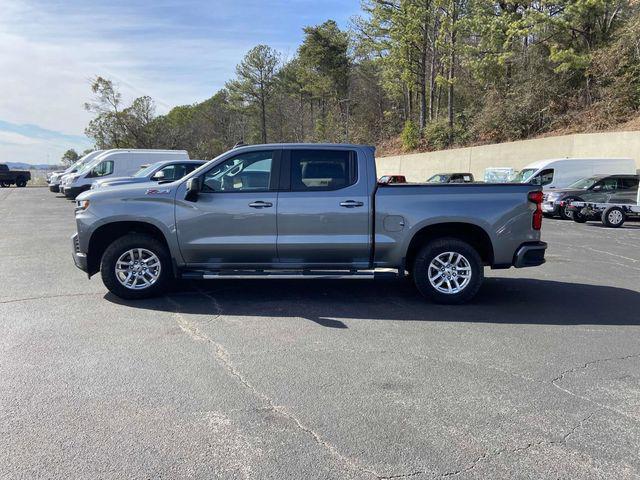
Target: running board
point(381, 274)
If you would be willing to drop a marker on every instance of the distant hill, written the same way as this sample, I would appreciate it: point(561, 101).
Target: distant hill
point(29, 166)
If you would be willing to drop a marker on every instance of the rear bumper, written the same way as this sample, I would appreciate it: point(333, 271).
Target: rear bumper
point(79, 258)
point(530, 254)
point(550, 208)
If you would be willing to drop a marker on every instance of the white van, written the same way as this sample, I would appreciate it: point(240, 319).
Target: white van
point(115, 163)
point(55, 179)
point(562, 172)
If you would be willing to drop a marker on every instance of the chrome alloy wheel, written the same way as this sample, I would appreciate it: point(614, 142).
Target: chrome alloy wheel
point(138, 268)
point(449, 273)
point(614, 217)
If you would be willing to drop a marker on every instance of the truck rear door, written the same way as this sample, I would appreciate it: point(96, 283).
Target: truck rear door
point(324, 209)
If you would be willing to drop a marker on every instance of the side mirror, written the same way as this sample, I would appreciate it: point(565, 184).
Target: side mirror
point(159, 175)
point(194, 186)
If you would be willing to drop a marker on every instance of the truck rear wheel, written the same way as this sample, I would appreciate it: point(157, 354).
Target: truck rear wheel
point(136, 266)
point(448, 271)
point(21, 182)
point(613, 217)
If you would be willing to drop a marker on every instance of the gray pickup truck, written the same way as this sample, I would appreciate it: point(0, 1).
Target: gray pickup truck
point(305, 211)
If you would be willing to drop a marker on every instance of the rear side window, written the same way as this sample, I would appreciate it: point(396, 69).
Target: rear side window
point(322, 169)
point(629, 183)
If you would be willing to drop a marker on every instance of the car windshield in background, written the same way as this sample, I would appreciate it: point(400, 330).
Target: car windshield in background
point(439, 179)
point(584, 183)
point(524, 176)
point(147, 170)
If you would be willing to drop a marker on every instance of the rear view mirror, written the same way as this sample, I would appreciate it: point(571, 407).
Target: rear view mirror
point(194, 186)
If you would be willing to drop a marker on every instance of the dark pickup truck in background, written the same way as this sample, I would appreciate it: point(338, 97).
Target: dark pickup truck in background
point(10, 177)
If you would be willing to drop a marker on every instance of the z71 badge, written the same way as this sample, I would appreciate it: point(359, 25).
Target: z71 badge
point(156, 191)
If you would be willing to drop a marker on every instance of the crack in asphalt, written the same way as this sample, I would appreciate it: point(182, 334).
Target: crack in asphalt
point(584, 366)
point(224, 360)
point(522, 448)
point(46, 297)
point(592, 362)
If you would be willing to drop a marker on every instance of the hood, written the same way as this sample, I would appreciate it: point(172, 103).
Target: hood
point(110, 182)
point(129, 191)
point(564, 192)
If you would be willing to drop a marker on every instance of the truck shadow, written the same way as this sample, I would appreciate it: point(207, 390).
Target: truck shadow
point(330, 302)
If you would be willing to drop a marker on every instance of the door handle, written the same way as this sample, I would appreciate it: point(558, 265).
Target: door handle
point(351, 204)
point(260, 204)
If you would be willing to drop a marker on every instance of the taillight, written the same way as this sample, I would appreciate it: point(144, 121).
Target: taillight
point(536, 197)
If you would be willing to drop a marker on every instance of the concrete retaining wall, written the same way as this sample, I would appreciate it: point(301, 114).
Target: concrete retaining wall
point(418, 167)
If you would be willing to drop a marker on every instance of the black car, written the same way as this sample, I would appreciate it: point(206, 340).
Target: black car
point(598, 188)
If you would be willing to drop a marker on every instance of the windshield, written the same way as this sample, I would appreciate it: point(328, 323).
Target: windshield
point(144, 172)
point(439, 178)
point(584, 183)
point(524, 175)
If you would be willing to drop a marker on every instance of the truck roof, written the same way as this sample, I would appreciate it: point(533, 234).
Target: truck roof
point(303, 145)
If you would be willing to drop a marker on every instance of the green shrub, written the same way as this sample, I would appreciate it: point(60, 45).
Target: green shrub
point(410, 136)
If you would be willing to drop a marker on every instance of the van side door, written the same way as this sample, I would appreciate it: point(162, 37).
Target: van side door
point(324, 209)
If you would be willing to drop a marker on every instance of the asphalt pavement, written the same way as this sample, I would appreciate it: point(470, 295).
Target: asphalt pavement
point(538, 378)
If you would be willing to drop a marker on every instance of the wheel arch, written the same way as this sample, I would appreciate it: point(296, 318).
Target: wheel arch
point(473, 234)
point(107, 233)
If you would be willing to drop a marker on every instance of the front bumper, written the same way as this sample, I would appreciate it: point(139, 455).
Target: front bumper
point(79, 258)
point(530, 254)
point(54, 188)
point(73, 192)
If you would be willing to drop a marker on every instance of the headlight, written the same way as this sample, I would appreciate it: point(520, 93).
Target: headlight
point(82, 205)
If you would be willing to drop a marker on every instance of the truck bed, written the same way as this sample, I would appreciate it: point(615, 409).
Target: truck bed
point(502, 211)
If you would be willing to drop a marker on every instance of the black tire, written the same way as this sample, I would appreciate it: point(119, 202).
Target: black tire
point(21, 182)
point(129, 242)
point(578, 217)
point(5, 184)
point(426, 256)
point(613, 217)
point(564, 212)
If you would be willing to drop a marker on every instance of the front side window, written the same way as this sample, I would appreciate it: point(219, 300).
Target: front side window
point(103, 169)
point(545, 177)
point(607, 184)
point(247, 172)
point(322, 170)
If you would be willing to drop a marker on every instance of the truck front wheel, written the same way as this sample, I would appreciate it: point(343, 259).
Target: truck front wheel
point(136, 266)
point(448, 271)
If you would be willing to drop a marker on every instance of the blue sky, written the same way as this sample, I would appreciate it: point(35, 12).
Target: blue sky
point(178, 52)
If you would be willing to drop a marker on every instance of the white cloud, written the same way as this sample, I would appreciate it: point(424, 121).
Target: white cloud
point(13, 138)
